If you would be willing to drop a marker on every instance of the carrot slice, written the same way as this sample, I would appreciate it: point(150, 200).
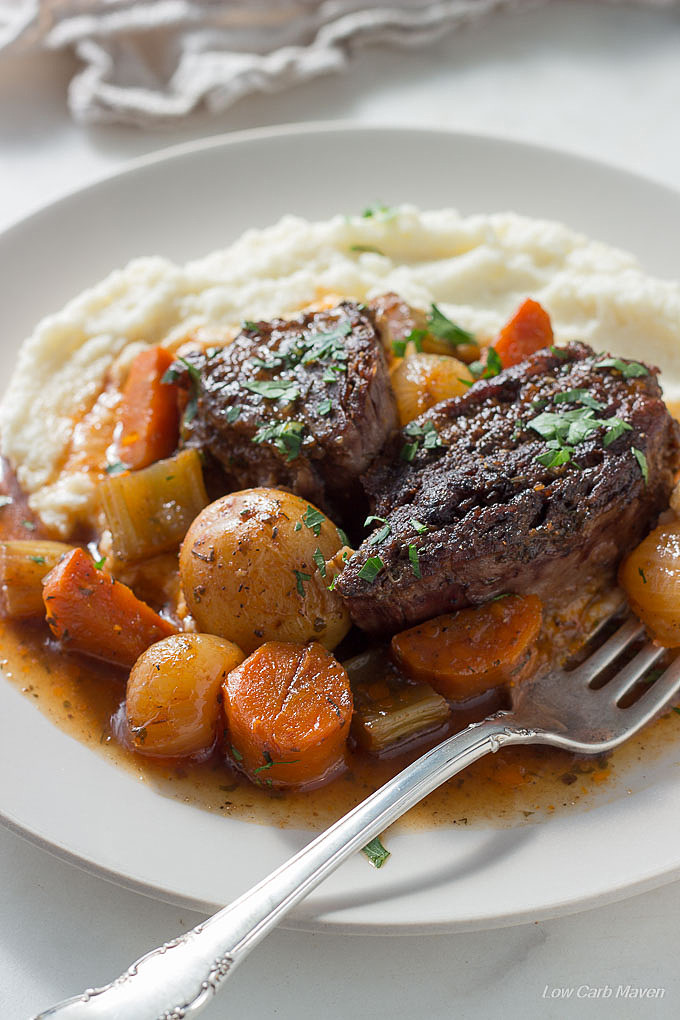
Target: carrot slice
point(288, 709)
point(149, 413)
point(467, 653)
point(529, 330)
point(90, 612)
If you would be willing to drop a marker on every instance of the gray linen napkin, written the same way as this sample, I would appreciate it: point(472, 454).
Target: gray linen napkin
point(155, 61)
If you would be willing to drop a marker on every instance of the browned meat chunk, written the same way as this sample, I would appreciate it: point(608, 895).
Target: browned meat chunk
point(532, 482)
point(305, 404)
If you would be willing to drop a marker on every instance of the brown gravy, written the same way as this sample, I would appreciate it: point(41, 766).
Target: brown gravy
point(512, 787)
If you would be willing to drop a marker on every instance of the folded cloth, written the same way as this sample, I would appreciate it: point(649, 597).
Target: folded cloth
point(155, 61)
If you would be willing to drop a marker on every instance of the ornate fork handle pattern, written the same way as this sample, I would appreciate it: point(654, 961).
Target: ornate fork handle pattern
point(177, 980)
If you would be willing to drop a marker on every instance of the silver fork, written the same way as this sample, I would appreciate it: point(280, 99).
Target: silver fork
point(565, 709)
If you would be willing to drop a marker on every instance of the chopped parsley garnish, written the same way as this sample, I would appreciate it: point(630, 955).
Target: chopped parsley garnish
point(300, 578)
point(286, 436)
point(443, 328)
point(486, 369)
point(117, 468)
point(427, 434)
point(328, 346)
point(342, 535)
point(577, 396)
point(399, 348)
point(566, 429)
point(420, 528)
point(408, 451)
point(372, 519)
point(232, 413)
point(98, 564)
point(236, 753)
point(5, 501)
point(378, 211)
point(37, 559)
point(558, 352)
point(252, 327)
point(371, 569)
point(313, 519)
point(298, 526)
point(318, 558)
point(642, 461)
point(269, 761)
point(628, 369)
point(416, 337)
point(275, 389)
point(325, 407)
point(29, 525)
point(376, 852)
point(178, 368)
point(380, 535)
point(642, 575)
point(365, 249)
point(414, 560)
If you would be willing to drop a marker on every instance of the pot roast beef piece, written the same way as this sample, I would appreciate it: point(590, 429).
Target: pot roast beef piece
point(305, 404)
point(477, 502)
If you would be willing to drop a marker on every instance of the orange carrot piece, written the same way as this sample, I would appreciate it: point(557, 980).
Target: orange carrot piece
point(467, 653)
point(288, 709)
point(90, 612)
point(149, 413)
point(529, 330)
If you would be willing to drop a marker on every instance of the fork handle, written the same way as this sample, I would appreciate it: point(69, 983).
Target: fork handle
point(179, 979)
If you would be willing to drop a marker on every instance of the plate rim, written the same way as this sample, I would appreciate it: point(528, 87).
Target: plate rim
point(225, 141)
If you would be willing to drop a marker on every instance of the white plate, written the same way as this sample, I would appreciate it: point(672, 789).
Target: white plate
point(182, 204)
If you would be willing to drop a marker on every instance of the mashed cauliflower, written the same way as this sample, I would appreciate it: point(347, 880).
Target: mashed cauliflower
point(478, 269)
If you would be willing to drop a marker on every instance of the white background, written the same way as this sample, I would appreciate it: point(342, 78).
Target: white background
point(599, 81)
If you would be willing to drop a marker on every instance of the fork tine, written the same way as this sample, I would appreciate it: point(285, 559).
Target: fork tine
point(631, 630)
point(655, 700)
point(633, 671)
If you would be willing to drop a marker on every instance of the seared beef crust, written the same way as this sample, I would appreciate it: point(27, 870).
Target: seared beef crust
point(338, 404)
point(497, 519)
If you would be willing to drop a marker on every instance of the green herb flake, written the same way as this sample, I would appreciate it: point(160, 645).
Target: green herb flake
point(414, 561)
point(29, 525)
point(298, 526)
point(318, 558)
point(616, 428)
point(628, 369)
point(408, 451)
point(372, 519)
point(417, 526)
point(554, 458)
point(376, 852)
point(98, 564)
point(577, 396)
point(642, 461)
point(342, 535)
point(399, 348)
point(286, 436)
point(378, 210)
point(366, 249)
point(313, 519)
point(5, 501)
point(676, 709)
point(642, 575)
point(275, 389)
point(416, 337)
point(371, 569)
point(440, 326)
point(325, 407)
point(236, 753)
point(558, 352)
point(488, 369)
point(300, 578)
point(233, 413)
point(37, 559)
point(380, 535)
point(117, 468)
point(252, 327)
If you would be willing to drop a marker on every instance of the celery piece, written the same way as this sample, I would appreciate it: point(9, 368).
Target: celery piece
point(23, 565)
point(149, 511)
point(389, 710)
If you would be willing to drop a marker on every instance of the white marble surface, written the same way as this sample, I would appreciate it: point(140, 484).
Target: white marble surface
point(595, 80)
